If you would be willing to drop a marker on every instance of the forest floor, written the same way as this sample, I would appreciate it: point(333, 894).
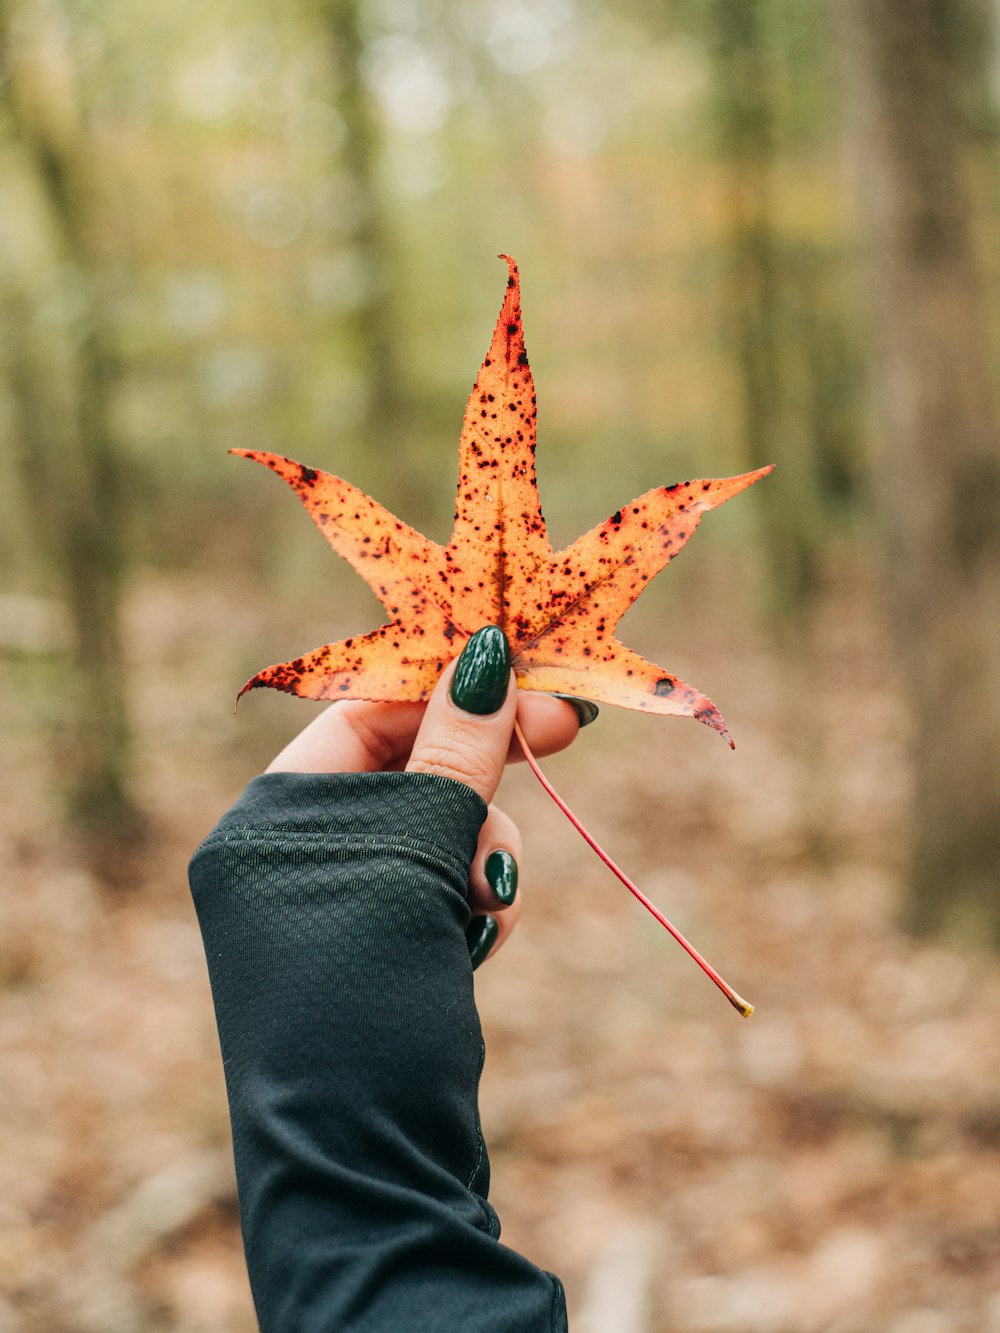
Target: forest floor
point(830, 1166)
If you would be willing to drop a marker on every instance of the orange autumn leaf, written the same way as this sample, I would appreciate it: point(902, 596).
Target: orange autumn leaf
point(559, 610)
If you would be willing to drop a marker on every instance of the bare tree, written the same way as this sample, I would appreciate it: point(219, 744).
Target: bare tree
point(786, 340)
point(938, 459)
point(69, 461)
point(371, 325)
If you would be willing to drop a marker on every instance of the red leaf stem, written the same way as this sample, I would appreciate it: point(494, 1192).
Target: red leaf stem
point(737, 1001)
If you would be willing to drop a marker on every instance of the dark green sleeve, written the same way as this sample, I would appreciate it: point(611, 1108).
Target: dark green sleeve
point(333, 913)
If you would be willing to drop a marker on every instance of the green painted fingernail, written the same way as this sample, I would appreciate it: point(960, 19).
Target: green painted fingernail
point(480, 936)
point(501, 875)
point(585, 709)
point(479, 684)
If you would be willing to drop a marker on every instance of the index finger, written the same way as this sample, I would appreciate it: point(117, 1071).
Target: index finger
point(367, 736)
point(353, 736)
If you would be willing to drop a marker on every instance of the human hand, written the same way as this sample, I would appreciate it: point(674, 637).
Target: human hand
point(464, 732)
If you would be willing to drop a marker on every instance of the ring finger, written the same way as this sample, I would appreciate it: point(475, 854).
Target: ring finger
point(493, 888)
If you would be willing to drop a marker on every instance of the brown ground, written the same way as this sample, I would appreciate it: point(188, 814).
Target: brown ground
point(831, 1165)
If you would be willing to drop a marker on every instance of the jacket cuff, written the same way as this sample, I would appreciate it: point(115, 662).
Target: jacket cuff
point(419, 807)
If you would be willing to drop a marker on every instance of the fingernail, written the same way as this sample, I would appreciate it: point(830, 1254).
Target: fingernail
point(585, 709)
point(480, 936)
point(501, 875)
point(479, 684)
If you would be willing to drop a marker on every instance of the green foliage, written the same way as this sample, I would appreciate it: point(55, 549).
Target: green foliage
point(292, 212)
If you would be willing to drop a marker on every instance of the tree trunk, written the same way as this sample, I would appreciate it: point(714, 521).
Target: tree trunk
point(755, 303)
point(938, 462)
point(72, 477)
point(784, 365)
point(371, 325)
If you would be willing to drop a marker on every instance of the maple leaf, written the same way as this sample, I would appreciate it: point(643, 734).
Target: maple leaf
point(559, 610)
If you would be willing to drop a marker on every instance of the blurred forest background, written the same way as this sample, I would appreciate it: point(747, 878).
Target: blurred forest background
point(749, 231)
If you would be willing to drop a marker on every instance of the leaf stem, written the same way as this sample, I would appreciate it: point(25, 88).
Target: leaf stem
point(737, 1001)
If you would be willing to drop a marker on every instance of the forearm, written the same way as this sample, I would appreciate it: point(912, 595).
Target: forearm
point(333, 913)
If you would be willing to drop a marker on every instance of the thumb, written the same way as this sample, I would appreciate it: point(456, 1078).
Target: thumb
point(466, 729)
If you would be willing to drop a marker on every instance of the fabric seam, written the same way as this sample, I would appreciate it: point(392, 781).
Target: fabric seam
point(365, 841)
point(557, 1311)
